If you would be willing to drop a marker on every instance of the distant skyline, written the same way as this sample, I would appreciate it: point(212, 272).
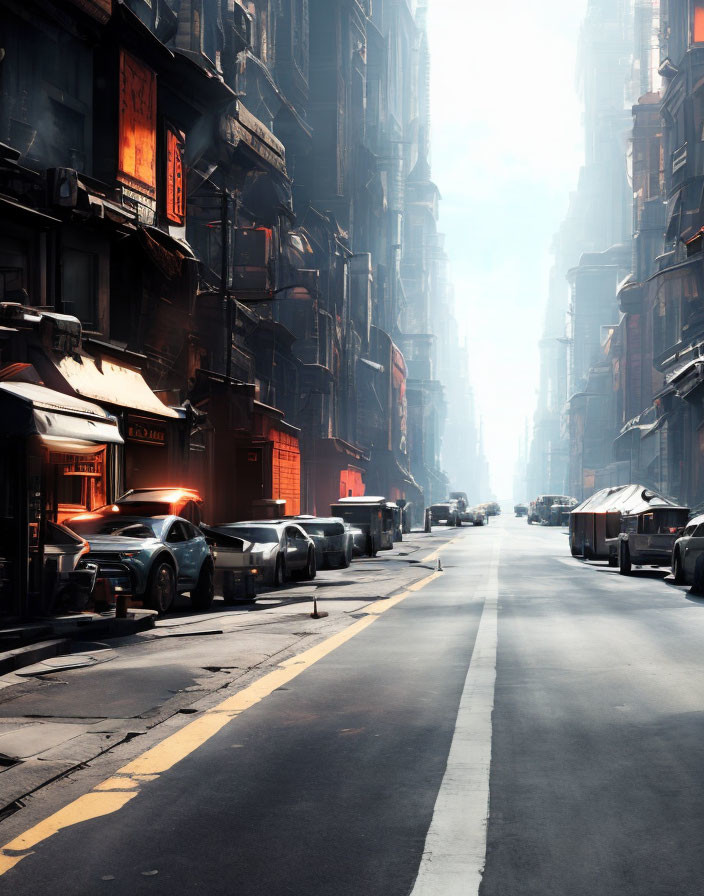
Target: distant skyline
point(507, 146)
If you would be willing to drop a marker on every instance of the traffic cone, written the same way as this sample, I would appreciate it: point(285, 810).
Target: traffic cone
point(315, 614)
point(438, 567)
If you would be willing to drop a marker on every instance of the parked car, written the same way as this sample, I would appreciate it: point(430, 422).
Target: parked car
point(142, 502)
point(445, 512)
point(152, 558)
point(462, 503)
point(521, 510)
point(688, 555)
point(279, 548)
point(359, 540)
point(560, 512)
point(648, 538)
point(541, 510)
point(67, 584)
point(333, 540)
point(597, 523)
point(236, 570)
point(374, 515)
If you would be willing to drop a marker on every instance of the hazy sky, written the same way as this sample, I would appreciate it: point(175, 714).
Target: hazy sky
point(506, 153)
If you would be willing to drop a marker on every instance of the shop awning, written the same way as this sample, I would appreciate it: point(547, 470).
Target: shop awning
point(62, 422)
point(107, 381)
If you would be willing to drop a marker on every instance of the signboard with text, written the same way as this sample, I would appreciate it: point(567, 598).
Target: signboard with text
point(149, 432)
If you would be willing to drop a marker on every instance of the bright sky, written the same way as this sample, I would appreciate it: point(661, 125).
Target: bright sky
point(506, 153)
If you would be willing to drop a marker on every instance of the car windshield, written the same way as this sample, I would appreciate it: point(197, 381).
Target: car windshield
point(258, 534)
point(119, 527)
point(145, 508)
point(322, 529)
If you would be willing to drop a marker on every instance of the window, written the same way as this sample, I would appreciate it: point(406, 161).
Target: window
point(79, 285)
point(177, 534)
point(191, 531)
point(699, 531)
point(698, 22)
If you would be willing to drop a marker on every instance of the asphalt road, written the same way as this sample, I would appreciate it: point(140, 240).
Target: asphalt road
point(521, 709)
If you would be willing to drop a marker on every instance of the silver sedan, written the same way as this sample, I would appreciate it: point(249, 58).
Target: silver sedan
point(279, 548)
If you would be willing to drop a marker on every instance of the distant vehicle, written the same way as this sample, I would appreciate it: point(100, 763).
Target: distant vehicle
point(279, 548)
point(462, 503)
point(540, 510)
point(445, 512)
point(333, 539)
point(153, 558)
point(560, 512)
point(479, 517)
point(376, 517)
point(521, 510)
point(688, 555)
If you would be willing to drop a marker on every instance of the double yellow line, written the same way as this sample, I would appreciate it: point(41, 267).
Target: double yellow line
point(112, 794)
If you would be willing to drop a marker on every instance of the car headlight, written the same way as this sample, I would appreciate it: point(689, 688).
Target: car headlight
point(128, 555)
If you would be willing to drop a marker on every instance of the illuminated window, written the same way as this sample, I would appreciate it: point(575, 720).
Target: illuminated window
point(698, 24)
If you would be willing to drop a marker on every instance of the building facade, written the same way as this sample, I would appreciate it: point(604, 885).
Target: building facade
point(219, 248)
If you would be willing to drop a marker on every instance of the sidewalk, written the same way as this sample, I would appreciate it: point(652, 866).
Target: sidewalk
point(65, 710)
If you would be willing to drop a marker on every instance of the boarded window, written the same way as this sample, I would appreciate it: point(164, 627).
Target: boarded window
point(175, 176)
point(698, 25)
point(137, 156)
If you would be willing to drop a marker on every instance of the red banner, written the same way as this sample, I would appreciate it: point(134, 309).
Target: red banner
point(175, 176)
point(137, 122)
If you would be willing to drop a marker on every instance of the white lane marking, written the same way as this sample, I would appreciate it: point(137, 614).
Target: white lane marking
point(455, 847)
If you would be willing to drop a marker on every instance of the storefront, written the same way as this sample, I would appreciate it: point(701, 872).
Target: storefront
point(58, 457)
point(156, 436)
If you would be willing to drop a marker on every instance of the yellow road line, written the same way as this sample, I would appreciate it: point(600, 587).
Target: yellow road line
point(115, 792)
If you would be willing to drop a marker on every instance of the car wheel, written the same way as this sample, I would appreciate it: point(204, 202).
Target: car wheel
point(698, 576)
point(161, 590)
point(202, 595)
point(677, 570)
point(624, 559)
point(310, 570)
point(345, 559)
point(279, 572)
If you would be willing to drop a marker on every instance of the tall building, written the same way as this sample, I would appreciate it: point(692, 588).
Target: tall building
point(218, 246)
